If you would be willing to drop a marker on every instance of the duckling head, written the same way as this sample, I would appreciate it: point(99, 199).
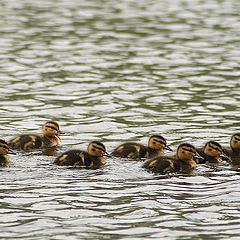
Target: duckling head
point(158, 142)
point(235, 141)
point(96, 149)
point(187, 152)
point(4, 148)
point(51, 129)
point(214, 149)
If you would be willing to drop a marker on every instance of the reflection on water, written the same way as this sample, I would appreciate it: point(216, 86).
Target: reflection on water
point(116, 71)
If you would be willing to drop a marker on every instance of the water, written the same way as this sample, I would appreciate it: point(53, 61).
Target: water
point(116, 71)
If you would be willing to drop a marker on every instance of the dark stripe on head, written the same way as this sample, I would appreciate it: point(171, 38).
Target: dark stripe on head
point(50, 125)
point(214, 145)
point(3, 144)
point(187, 147)
point(159, 139)
point(236, 136)
point(98, 145)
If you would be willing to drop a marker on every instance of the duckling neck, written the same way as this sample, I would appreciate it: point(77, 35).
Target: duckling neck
point(4, 159)
point(154, 152)
point(211, 159)
point(192, 163)
point(236, 150)
point(102, 160)
point(50, 141)
point(96, 162)
point(216, 160)
point(188, 165)
point(188, 161)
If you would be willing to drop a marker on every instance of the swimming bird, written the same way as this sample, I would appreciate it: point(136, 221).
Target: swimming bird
point(234, 151)
point(4, 150)
point(93, 158)
point(212, 152)
point(156, 147)
point(183, 161)
point(49, 138)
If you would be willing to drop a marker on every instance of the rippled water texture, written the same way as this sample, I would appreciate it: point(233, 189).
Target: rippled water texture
point(116, 71)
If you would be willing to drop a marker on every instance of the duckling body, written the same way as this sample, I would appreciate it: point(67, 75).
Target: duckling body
point(183, 161)
point(49, 138)
point(234, 151)
point(212, 152)
point(93, 158)
point(4, 158)
point(131, 150)
point(156, 147)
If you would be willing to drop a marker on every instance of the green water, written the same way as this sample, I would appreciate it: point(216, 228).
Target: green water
point(116, 71)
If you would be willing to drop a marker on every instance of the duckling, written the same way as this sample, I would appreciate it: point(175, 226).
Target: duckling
point(49, 138)
point(4, 149)
point(183, 161)
point(212, 152)
point(93, 158)
point(234, 151)
point(156, 147)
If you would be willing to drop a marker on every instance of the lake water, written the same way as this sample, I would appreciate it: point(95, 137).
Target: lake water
point(116, 71)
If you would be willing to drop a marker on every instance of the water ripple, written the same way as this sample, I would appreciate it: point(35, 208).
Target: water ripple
point(117, 71)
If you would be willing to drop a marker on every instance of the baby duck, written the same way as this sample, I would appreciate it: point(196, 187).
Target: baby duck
point(49, 138)
point(212, 152)
point(183, 161)
point(4, 149)
point(156, 147)
point(92, 159)
point(234, 151)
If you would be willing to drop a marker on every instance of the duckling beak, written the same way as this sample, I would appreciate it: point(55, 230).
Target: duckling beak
point(168, 148)
point(10, 151)
point(225, 157)
point(198, 158)
point(59, 133)
point(107, 154)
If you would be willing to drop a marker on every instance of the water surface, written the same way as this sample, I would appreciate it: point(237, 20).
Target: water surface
point(117, 71)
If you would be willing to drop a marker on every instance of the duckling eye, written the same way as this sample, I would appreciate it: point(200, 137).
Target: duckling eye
point(93, 149)
point(209, 149)
point(235, 141)
point(154, 142)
